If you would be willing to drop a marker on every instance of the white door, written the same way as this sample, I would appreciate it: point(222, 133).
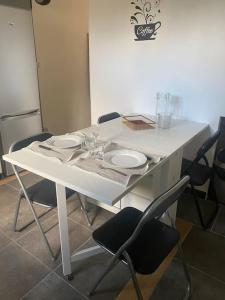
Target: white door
point(18, 70)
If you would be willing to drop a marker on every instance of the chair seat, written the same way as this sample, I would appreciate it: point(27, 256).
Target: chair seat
point(147, 252)
point(198, 173)
point(44, 193)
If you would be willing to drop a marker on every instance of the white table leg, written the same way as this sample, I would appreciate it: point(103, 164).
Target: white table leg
point(63, 229)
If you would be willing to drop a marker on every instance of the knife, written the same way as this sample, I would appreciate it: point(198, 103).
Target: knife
point(48, 148)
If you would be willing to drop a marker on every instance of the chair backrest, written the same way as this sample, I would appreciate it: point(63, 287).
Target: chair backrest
point(221, 155)
point(108, 117)
point(207, 145)
point(27, 141)
point(201, 153)
point(219, 164)
point(158, 207)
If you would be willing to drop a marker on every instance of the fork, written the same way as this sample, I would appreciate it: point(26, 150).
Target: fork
point(62, 160)
point(73, 153)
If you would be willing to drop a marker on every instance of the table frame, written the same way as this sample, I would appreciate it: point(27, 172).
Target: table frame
point(165, 174)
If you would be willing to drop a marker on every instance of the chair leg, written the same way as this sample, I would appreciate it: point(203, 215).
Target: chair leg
point(33, 212)
point(186, 272)
point(41, 230)
point(84, 210)
point(204, 224)
point(133, 275)
point(198, 208)
point(110, 265)
point(215, 199)
point(17, 212)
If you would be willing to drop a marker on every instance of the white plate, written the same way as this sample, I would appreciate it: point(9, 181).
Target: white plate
point(64, 142)
point(125, 158)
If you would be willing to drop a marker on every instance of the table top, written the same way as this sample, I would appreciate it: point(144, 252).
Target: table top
point(151, 141)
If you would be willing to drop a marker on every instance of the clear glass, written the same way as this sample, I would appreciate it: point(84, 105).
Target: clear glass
point(95, 131)
point(164, 110)
point(100, 150)
point(88, 143)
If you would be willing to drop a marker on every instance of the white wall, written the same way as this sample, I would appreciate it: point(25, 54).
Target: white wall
point(187, 58)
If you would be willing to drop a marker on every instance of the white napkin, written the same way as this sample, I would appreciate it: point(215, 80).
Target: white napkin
point(62, 155)
point(102, 168)
point(106, 170)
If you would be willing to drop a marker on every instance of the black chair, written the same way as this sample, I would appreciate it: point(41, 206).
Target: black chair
point(140, 240)
point(108, 117)
point(41, 193)
point(199, 174)
point(219, 164)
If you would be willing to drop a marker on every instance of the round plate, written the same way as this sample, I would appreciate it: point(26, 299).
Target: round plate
point(125, 158)
point(64, 142)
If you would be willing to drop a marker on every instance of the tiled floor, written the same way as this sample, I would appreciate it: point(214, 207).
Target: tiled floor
point(27, 272)
point(205, 254)
point(26, 269)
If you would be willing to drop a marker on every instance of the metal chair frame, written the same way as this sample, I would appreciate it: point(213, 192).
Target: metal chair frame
point(24, 194)
point(201, 156)
point(108, 117)
point(155, 209)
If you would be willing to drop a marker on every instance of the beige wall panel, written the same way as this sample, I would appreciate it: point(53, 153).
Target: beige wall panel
point(61, 30)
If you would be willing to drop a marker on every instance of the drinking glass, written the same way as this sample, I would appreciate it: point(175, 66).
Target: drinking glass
point(95, 131)
point(88, 142)
point(100, 150)
point(164, 109)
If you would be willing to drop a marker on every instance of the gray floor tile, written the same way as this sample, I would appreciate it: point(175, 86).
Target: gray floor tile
point(8, 198)
point(110, 286)
point(19, 272)
point(173, 285)
point(101, 217)
point(205, 251)
point(4, 240)
point(53, 287)
point(25, 216)
point(87, 270)
point(33, 241)
point(97, 215)
point(186, 209)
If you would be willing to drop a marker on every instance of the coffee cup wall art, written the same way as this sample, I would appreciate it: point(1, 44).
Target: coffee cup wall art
point(145, 19)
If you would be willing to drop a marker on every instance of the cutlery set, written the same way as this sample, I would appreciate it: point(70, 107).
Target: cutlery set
point(58, 152)
point(77, 148)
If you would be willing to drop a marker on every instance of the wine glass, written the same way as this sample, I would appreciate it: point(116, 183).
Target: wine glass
point(95, 130)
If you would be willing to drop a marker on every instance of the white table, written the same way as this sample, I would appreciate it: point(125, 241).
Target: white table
point(169, 142)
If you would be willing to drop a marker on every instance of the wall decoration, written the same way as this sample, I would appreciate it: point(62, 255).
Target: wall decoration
point(145, 19)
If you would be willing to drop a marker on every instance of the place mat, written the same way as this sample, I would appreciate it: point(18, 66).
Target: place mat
point(86, 161)
point(138, 122)
point(138, 125)
point(62, 155)
point(121, 175)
